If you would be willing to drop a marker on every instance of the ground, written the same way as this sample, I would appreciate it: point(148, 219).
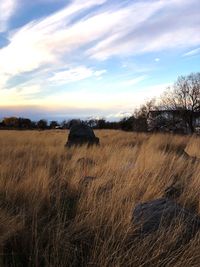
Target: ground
point(73, 206)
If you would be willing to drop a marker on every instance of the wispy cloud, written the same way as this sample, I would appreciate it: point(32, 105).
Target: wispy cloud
point(75, 74)
point(148, 32)
point(7, 8)
point(111, 30)
point(45, 41)
point(192, 52)
point(134, 81)
point(20, 94)
point(73, 43)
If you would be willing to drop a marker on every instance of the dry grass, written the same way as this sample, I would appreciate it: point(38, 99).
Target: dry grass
point(50, 216)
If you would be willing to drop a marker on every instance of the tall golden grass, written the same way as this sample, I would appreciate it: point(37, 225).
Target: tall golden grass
point(51, 216)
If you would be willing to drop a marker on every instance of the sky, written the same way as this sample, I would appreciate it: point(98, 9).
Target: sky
point(63, 59)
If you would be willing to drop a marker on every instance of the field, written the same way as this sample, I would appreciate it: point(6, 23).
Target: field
point(52, 216)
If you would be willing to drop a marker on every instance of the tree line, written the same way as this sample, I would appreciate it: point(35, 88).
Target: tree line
point(27, 124)
point(16, 123)
point(177, 110)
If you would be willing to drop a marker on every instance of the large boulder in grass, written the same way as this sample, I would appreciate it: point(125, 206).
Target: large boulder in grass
point(81, 134)
point(163, 213)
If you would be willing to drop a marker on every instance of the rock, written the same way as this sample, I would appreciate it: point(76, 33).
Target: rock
point(164, 213)
point(81, 134)
point(179, 150)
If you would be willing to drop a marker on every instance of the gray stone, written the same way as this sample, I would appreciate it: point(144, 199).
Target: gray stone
point(81, 134)
point(162, 214)
point(179, 150)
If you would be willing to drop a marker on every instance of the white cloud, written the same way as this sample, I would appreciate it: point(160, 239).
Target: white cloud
point(192, 52)
point(7, 8)
point(110, 30)
point(99, 73)
point(45, 41)
point(20, 94)
point(120, 115)
point(72, 75)
point(4, 78)
point(75, 74)
point(154, 32)
point(157, 59)
point(134, 81)
point(79, 31)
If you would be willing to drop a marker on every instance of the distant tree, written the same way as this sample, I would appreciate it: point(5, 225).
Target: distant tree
point(140, 125)
point(42, 124)
point(53, 124)
point(64, 124)
point(112, 125)
point(101, 124)
point(143, 115)
point(24, 123)
point(93, 123)
point(184, 95)
point(33, 125)
point(145, 109)
point(134, 124)
point(11, 122)
point(2, 124)
point(126, 124)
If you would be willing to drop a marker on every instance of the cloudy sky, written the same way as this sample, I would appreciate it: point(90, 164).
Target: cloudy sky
point(77, 58)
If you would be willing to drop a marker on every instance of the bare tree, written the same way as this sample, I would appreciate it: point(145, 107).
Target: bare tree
point(143, 114)
point(145, 109)
point(184, 96)
point(53, 124)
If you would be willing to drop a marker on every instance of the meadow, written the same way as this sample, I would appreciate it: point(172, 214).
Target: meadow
point(72, 207)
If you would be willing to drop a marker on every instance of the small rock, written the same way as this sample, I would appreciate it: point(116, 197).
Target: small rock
point(162, 213)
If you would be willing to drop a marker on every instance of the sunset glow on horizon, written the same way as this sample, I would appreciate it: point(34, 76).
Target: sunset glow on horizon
point(85, 58)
